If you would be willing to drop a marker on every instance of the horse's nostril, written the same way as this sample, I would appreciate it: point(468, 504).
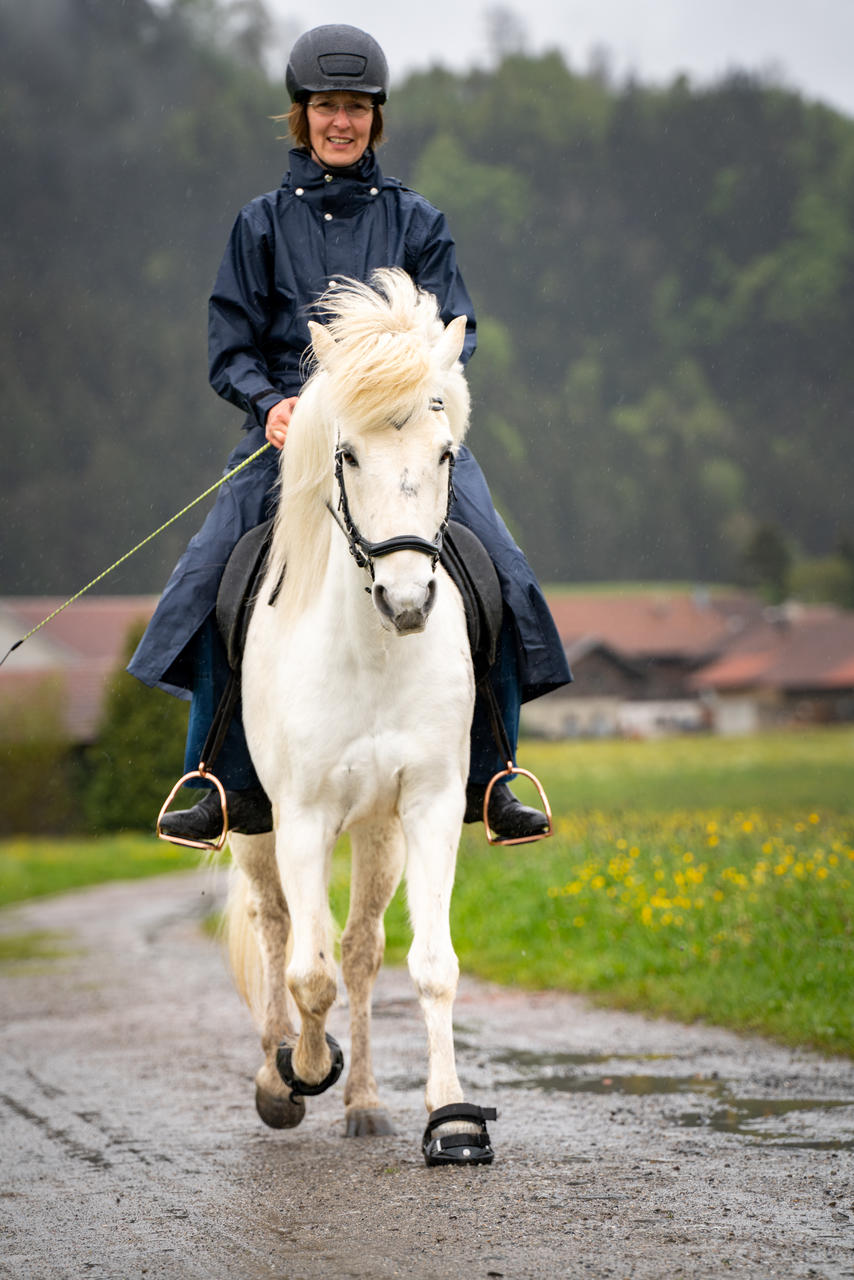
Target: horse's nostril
point(381, 601)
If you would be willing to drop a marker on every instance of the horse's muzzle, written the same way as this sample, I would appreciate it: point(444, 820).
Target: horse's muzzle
point(407, 616)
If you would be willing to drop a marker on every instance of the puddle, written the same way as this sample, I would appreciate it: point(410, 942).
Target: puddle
point(745, 1117)
point(740, 1115)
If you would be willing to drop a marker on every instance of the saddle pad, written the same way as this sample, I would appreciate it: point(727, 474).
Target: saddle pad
point(467, 563)
point(235, 599)
point(463, 557)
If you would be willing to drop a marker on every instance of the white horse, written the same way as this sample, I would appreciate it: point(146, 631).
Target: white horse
point(357, 701)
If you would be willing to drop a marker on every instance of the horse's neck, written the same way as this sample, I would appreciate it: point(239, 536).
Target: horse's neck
point(338, 606)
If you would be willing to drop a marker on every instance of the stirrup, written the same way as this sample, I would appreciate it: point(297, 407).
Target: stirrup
point(210, 846)
point(512, 771)
point(459, 1148)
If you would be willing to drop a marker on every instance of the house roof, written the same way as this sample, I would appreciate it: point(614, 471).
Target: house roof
point(83, 646)
point(681, 626)
point(806, 650)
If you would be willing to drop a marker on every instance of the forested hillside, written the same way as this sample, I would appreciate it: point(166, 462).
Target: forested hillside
point(664, 282)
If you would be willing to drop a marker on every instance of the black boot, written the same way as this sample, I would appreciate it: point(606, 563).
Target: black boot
point(508, 817)
point(249, 814)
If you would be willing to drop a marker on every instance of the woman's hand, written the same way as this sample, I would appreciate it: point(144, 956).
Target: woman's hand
point(278, 420)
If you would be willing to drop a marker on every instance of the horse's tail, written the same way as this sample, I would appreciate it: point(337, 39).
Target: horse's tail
point(241, 937)
point(244, 954)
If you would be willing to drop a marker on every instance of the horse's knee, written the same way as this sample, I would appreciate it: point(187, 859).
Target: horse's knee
point(361, 955)
point(313, 989)
point(435, 974)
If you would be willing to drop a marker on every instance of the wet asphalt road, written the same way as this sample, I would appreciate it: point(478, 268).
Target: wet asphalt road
point(625, 1147)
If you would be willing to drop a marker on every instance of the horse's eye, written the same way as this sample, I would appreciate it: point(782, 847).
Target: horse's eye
point(349, 458)
point(437, 404)
point(447, 456)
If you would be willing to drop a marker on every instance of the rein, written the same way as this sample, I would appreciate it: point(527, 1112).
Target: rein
point(365, 552)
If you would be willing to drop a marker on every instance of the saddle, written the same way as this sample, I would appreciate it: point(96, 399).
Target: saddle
point(463, 556)
point(471, 570)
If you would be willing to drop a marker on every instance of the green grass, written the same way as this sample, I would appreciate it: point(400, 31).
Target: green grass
point(38, 944)
point(31, 868)
point(696, 877)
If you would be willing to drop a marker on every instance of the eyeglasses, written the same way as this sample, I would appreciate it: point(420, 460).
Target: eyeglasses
point(353, 110)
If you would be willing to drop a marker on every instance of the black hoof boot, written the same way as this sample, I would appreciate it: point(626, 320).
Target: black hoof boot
point(299, 1089)
point(459, 1148)
point(508, 817)
point(249, 814)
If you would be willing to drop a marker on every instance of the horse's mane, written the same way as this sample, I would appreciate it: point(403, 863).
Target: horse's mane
point(384, 365)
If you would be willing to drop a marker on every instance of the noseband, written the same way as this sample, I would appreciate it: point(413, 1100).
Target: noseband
point(364, 552)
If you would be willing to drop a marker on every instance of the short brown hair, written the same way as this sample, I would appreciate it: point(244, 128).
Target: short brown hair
point(297, 119)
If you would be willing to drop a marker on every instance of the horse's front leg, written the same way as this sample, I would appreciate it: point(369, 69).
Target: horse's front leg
point(377, 863)
point(257, 928)
point(433, 832)
point(456, 1131)
point(304, 852)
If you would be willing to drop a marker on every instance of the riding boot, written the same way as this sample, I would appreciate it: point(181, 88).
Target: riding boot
point(249, 814)
point(508, 818)
point(249, 810)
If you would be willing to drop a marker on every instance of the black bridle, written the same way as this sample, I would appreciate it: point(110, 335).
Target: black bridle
point(364, 552)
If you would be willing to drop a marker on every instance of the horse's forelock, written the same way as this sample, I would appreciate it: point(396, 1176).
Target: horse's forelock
point(382, 367)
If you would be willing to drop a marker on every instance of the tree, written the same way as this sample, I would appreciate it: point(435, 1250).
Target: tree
point(767, 562)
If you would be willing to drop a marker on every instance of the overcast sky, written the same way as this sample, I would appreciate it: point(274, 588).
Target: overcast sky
point(808, 44)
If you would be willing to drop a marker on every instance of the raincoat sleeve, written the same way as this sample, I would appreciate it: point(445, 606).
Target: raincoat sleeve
point(238, 316)
point(436, 271)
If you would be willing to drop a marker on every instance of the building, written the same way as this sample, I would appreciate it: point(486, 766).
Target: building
point(72, 658)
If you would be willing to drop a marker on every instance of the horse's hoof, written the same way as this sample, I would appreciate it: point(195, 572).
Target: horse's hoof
point(277, 1112)
point(368, 1122)
point(299, 1088)
point(458, 1148)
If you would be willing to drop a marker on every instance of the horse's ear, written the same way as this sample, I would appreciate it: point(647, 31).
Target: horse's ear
point(450, 345)
point(322, 341)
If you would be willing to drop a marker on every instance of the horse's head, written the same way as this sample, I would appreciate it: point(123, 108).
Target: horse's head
point(388, 401)
point(394, 459)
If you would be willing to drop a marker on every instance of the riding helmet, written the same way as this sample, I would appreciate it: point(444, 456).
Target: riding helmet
point(336, 57)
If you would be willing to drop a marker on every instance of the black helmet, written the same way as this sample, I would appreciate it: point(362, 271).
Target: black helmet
point(336, 57)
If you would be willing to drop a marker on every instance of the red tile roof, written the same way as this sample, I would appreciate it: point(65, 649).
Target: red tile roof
point(657, 624)
point(808, 650)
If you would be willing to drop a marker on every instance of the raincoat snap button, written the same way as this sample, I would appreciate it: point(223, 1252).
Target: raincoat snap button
point(328, 217)
point(375, 191)
point(327, 177)
point(299, 191)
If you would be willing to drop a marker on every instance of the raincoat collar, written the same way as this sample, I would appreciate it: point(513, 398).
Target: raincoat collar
point(343, 192)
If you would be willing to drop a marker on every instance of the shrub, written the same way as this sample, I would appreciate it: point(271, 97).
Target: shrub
point(138, 755)
point(37, 766)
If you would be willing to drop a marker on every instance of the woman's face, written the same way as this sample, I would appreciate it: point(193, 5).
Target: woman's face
point(339, 126)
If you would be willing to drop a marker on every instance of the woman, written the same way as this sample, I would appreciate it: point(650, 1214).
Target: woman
point(335, 215)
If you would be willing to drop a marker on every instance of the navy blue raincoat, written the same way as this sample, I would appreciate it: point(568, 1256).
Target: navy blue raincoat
point(285, 249)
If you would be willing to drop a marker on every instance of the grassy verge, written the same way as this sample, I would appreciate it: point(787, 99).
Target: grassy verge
point(699, 878)
point(695, 878)
point(31, 868)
